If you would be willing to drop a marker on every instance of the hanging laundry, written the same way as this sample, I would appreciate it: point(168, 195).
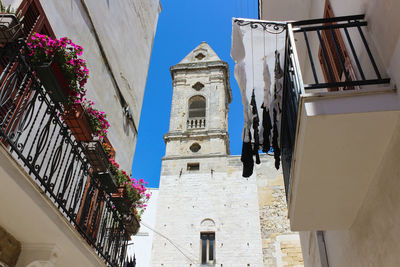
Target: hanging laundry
point(275, 144)
point(247, 158)
point(259, 74)
point(256, 123)
point(267, 127)
point(276, 109)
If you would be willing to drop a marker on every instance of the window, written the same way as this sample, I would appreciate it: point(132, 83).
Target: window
point(197, 107)
point(195, 147)
point(207, 248)
point(200, 56)
point(193, 166)
point(198, 86)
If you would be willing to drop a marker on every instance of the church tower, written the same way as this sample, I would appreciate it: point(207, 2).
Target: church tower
point(207, 214)
point(199, 111)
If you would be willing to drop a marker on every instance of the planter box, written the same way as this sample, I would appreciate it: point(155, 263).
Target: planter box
point(96, 156)
point(112, 152)
point(77, 120)
point(54, 82)
point(10, 28)
point(131, 224)
point(108, 182)
point(120, 201)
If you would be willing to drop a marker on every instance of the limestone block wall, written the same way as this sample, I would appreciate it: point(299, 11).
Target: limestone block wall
point(281, 247)
point(215, 198)
point(208, 144)
point(213, 91)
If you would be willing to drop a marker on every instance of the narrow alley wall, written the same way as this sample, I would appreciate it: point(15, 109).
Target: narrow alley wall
point(281, 247)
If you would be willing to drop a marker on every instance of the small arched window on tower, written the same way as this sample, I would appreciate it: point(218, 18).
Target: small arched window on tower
point(197, 113)
point(207, 238)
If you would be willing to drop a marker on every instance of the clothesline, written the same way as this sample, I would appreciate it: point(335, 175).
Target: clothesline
point(257, 52)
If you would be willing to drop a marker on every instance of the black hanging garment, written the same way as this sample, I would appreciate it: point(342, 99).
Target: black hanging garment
point(275, 146)
point(266, 123)
point(131, 262)
point(256, 123)
point(276, 108)
point(247, 158)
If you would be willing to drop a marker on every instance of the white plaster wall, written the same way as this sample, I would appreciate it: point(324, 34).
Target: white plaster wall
point(372, 239)
point(125, 32)
point(223, 196)
point(142, 241)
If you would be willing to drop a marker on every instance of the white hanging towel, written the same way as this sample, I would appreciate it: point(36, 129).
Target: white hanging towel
point(253, 51)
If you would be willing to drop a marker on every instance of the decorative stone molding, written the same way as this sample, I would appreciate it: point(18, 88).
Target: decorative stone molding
point(198, 86)
point(39, 255)
point(10, 248)
point(207, 225)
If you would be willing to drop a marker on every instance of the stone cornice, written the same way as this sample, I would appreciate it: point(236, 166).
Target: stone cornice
point(195, 135)
point(195, 156)
point(205, 65)
point(198, 65)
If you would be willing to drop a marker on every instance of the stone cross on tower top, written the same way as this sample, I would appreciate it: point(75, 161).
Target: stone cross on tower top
point(200, 104)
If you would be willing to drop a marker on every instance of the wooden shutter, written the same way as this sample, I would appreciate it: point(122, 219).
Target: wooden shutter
point(34, 20)
point(333, 58)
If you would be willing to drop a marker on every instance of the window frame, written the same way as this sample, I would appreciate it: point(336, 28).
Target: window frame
point(210, 253)
point(193, 166)
point(190, 102)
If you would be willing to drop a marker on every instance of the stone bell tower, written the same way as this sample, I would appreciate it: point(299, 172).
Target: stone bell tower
point(199, 111)
point(207, 214)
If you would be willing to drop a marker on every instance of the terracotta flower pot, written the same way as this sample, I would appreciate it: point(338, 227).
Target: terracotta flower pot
point(131, 223)
point(96, 156)
point(107, 181)
point(77, 120)
point(120, 200)
point(54, 82)
point(112, 151)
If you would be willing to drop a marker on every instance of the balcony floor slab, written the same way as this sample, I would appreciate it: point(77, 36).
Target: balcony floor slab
point(29, 215)
point(340, 142)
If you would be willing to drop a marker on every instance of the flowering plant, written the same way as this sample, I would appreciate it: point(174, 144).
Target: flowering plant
point(107, 148)
point(135, 190)
point(137, 193)
point(114, 167)
point(43, 49)
point(97, 119)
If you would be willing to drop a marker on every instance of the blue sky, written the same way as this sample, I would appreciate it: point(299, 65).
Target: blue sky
point(183, 25)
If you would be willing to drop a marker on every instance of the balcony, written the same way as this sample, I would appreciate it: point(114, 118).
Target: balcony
point(338, 116)
point(196, 123)
point(49, 191)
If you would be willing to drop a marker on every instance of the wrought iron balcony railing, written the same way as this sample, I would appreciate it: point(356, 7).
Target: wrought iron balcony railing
point(345, 63)
point(36, 136)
